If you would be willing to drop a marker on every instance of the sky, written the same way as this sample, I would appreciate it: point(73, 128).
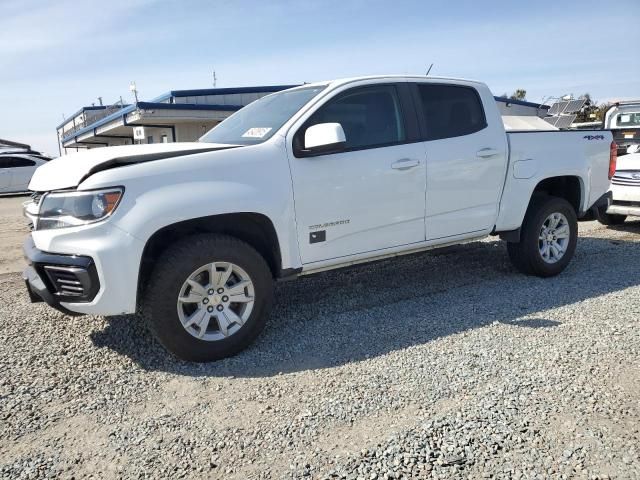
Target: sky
point(56, 56)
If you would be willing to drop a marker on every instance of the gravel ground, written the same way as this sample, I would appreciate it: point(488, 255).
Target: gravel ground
point(441, 365)
point(12, 233)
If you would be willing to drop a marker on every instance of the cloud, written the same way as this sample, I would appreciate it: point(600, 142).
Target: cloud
point(61, 27)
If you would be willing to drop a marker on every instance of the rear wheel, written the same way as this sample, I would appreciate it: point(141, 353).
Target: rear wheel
point(611, 219)
point(208, 297)
point(547, 239)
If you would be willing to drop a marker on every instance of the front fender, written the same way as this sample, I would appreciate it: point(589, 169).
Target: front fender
point(252, 179)
point(161, 207)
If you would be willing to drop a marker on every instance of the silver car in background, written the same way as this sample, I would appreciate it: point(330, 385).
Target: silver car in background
point(16, 169)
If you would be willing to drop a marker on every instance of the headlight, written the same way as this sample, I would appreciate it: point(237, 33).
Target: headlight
point(70, 209)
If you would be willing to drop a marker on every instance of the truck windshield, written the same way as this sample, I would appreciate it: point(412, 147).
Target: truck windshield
point(258, 121)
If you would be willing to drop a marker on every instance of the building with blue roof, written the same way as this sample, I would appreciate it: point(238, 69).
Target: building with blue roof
point(177, 116)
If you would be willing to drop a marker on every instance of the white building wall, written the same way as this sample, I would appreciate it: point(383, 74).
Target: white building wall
point(191, 132)
point(113, 142)
point(155, 135)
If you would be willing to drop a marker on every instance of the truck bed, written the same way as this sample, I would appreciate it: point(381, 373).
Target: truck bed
point(583, 153)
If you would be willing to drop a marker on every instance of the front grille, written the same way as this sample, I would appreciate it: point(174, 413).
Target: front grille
point(627, 178)
point(68, 281)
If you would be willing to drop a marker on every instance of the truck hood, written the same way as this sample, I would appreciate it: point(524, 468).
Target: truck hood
point(70, 170)
point(630, 161)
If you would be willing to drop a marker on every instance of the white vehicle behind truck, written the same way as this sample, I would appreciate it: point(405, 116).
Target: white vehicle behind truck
point(623, 119)
point(313, 178)
point(625, 191)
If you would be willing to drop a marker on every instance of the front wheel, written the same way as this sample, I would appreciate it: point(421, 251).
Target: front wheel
point(547, 239)
point(208, 297)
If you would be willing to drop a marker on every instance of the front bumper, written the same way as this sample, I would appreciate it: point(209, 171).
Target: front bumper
point(626, 200)
point(621, 209)
point(98, 263)
point(55, 278)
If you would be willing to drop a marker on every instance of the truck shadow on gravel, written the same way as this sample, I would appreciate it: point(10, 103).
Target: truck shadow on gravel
point(349, 315)
point(630, 226)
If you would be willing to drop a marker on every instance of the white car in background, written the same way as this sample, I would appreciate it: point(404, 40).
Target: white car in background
point(16, 170)
point(625, 187)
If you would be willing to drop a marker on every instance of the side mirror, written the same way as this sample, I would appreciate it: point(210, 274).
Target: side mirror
point(324, 137)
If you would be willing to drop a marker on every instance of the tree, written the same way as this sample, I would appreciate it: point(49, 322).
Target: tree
point(591, 111)
point(519, 94)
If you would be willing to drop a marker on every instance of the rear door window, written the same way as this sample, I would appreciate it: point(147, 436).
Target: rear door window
point(450, 110)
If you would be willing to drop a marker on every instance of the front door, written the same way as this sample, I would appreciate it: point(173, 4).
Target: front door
point(369, 196)
point(23, 169)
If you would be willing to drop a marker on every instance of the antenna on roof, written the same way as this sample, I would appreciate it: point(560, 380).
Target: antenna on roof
point(134, 89)
point(430, 67)
point(215, 79)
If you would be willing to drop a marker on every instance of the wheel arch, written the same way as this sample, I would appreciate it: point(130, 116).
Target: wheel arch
point(254, 229)
point(569, 187)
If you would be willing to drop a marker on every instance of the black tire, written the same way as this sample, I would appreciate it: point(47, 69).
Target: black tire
point(611, 219)
point(177, 263)
point(525, 255)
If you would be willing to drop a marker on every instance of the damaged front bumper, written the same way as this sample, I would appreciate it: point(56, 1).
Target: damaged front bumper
point(56, 278)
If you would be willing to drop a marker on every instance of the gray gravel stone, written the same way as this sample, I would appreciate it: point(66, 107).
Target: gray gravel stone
point(442, 365)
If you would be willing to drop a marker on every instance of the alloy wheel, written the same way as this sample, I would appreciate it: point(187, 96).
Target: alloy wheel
point(215, 301)
point(554, 237)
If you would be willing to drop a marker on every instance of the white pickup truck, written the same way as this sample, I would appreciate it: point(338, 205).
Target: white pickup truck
point(623, 119)
point(321, 176)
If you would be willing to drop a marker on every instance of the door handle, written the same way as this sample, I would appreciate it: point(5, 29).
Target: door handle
point(487, 152)
point(405, 164)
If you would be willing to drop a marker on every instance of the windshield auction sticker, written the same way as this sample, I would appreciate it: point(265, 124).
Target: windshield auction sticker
point(256, 132)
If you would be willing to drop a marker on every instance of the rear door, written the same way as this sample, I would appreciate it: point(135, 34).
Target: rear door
point(5, 173)
point(371, 194)
point(22, 171)
point(466, 159)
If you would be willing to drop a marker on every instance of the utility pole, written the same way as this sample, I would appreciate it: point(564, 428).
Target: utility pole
point(215, 79)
